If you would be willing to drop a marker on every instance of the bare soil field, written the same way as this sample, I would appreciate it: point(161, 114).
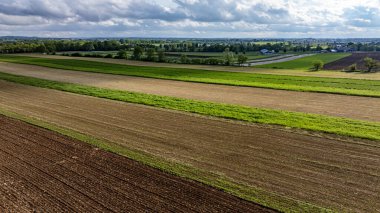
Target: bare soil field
point(363, 108)
point(327, 74)
point(46, 172)
point(341, 173)
point(357, 58)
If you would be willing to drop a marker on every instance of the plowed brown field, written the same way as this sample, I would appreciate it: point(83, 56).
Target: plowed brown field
point(46, 172)
point(355, 58)
point(340, 173)
point(363, 108)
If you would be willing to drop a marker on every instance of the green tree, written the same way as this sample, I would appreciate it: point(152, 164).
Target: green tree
point(150, 54)
point(242, 59)
point(88, 46)
point(370, 63)
point(122, 54)
point(228, 57)
point(41, 48)
point(318, 65)
point(184, 59)
point(352, 67)
point(161, 56)
point(137, 52)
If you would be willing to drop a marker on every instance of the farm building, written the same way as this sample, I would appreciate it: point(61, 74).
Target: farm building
point(266, 52)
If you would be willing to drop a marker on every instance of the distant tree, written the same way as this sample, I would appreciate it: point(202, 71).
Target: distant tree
point(122, 54)
point(228, 57)
point(242, 59)
point(150, 54)
point(184, 59)
point(88, 46)
point(370, 63)
point(161, 55)
point(137, 52)
point(318, 65)
point(353, 67)
point(108, 56)
point(41, 48)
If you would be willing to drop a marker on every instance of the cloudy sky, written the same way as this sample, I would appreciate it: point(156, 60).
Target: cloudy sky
point(191, 18)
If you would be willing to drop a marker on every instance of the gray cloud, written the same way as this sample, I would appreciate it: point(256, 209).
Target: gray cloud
point(363, 16)
point(209, 18)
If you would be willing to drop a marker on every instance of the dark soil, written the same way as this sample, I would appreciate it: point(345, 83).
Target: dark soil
point(46, 172)
point(358, 58)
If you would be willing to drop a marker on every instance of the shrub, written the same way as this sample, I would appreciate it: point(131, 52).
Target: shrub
point(197, 61)
point(122, 54)
point(184, 59)
point(161, 56)
point(370, 63)
point(108, 56)
point(77, 54)
point(214, 61)
point(242, 59)
point(318, 65)
point(352, 68)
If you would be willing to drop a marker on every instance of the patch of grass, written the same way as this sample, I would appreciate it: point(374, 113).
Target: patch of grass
point(314, 122)
point(306, 62)
point(357, 87)
point(241, 190)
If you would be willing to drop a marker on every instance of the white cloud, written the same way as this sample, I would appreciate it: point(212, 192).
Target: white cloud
point(213, 18)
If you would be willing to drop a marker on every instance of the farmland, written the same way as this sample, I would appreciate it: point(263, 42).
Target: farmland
point(340, 126)
point(164, 136)
point(362, 108)
point(294, 83)
point(306, 63)
point(355, 58)
point(212, 106)
point(291, 72)
point(332, 172)
point(91, 180)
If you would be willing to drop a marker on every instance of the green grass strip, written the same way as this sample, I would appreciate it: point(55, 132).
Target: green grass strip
point(223, 183)
point(314, 122)
point(357, 87)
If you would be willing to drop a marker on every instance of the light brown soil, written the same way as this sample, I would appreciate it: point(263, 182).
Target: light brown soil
point(327, 74)
point(324, 170)
point(363, 108)
point(46, 172)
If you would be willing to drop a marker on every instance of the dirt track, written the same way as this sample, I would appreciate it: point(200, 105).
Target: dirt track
point(328, 74)
point(331, 172)
point(362, 108)
point(47, 172)
point(279, 60)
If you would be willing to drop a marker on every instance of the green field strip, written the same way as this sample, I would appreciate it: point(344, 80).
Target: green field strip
point(307, 121)
point(344, 86)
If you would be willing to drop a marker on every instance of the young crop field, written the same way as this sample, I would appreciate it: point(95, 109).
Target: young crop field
point(296, 83)
point(307, 62)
